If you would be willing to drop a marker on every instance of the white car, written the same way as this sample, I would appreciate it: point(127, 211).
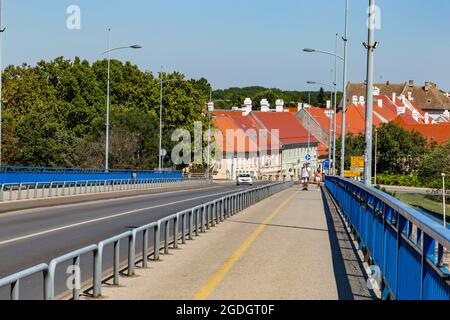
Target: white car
point(244, 178)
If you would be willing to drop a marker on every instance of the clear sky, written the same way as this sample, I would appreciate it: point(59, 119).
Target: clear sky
point(238, 42)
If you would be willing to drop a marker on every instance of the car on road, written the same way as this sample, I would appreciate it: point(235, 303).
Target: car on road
point(244, 178)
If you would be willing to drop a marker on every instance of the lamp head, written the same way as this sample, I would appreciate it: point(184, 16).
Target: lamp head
point(309, 50)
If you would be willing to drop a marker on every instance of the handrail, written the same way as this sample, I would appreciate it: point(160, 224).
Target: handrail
point(194, 221)
point(14, 279)
point(406, 246)
point(81, 187)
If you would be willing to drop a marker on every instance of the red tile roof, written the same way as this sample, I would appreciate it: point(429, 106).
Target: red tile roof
point(437, 132)
point(291, 131)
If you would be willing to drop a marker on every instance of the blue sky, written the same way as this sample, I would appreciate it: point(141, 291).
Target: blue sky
point(237, 42)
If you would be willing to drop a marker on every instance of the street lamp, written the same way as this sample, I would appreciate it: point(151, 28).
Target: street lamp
point(336, 57)
point(1, 67)
point(136, 46)
point(344, 83)
point(444, 200)
point(161, 83)
point(332, 118)
point(370, 46)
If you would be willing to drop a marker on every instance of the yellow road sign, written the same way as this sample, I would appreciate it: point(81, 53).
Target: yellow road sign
point(351, 173)
point(357, 162)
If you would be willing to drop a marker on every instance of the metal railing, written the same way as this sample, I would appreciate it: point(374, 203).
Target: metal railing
point(39, 190)
point(407, 247)
point(192, 222)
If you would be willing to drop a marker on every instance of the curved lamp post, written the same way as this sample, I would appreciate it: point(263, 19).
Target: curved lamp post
point(136, 46)
point(332, 140)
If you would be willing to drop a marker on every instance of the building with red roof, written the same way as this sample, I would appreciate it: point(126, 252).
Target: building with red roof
point(276, 143)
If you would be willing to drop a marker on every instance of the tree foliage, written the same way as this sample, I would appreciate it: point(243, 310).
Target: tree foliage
point(399, 151)
point(55, 113)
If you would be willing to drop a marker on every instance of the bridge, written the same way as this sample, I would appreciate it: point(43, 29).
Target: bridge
point(219, 241)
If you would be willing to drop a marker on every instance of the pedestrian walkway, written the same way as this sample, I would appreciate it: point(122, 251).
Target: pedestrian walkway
point(289, 246)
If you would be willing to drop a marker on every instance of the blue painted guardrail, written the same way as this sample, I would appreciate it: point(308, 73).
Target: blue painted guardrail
point(407, 246)
point(42, 174)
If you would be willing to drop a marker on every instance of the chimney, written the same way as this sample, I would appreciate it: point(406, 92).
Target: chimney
point(279, 105)
point(427, 118)
point(210, 106)
point(265, 106)
point(394, 97)
point(403, 99)
point(247, 107)
point(376, 91)
point(446, 114)
point(427, 86)
point(300, 107)
point(380, 103)
point(355, 100)
point(362, 100)
point(410, 97)
point(411, 83)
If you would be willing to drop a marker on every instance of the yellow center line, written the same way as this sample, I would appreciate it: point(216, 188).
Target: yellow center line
point(214, 281)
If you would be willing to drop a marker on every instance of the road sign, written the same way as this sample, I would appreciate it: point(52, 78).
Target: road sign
point(308, 157)
point(351, 173)
point(357, 162)
point(326, 164)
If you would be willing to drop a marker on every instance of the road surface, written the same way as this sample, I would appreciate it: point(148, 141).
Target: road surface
point(36, 236)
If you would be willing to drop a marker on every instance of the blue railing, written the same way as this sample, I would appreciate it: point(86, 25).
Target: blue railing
point(408, 247)
point(42, 174)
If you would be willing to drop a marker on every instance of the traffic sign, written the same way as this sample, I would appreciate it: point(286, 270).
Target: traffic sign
point(326, 164)
point(308, 157)
point(351, 173)
point(357, 162)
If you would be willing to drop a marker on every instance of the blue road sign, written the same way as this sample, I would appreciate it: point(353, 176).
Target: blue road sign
point(326, 164)
point(308, 157)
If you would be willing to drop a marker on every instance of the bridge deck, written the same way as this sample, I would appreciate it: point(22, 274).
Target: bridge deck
point(290, 246)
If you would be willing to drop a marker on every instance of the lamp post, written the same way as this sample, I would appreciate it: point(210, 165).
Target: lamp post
point(376, 156)
point(334, 86)
point(332, 119)
point(136, 46)
point(161, 84)
point(444, 206)
point(344, 92)
point(370, 47)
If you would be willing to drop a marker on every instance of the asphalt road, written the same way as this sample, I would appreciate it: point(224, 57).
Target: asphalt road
point(36, 236)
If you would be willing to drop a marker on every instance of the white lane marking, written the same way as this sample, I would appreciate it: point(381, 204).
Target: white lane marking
point(37, 234)
point(37, 210)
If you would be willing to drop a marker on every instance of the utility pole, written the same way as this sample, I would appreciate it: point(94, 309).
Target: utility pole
point(370, 46)
point(107, 104)
point(376, 156)
point(344, 91)
point(160, 121)
point(444, 200)
point(335, 104)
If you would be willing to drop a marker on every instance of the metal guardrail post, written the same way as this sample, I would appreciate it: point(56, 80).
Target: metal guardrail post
point(203, 219)
point(131, 254)
point(157, 241)
point(145, 248)
point(175, 231)
point(166, 236)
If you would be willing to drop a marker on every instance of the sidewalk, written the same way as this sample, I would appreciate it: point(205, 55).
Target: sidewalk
point(285, 247)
